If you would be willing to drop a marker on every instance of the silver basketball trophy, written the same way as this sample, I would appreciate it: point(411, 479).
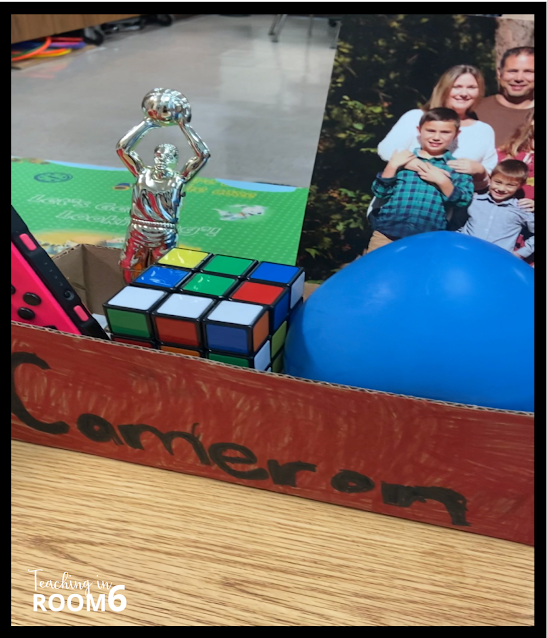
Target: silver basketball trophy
point(159, 190)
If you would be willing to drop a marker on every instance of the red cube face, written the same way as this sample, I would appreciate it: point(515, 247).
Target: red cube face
point(133, 342)
point(276, 297)
point(258, 293)
point(177, 331)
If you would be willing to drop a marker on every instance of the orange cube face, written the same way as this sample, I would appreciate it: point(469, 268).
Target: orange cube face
point(187, 351)
point(261, 331)
point(177, 331)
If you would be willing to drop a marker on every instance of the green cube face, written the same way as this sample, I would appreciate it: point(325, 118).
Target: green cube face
point(228, 265)
point(277, 363)
point(259, 361)
point(278, 338)
point(210, 285)
point(128, 311)
point(225, 358)
point(128, 323)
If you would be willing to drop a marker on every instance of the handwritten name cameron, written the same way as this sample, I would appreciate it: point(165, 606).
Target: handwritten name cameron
point(231, 458)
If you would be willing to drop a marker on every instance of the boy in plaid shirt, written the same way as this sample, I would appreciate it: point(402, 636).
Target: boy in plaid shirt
point(419, 188)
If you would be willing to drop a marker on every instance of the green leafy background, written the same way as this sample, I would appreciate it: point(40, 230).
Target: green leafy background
point(385, 65)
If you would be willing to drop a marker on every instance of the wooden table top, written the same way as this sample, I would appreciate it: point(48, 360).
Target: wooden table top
point(196, 552)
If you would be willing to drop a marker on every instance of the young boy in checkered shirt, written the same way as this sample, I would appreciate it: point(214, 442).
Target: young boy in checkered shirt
point(420, 188)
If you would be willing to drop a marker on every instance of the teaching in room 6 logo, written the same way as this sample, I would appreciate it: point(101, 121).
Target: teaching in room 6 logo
point(76, 601)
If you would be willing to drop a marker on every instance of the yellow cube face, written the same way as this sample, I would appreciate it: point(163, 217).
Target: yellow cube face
point(183, 258)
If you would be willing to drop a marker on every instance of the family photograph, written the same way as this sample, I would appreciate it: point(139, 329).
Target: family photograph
point(429, 125)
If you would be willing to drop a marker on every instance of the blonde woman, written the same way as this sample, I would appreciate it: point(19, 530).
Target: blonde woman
point(461, 88)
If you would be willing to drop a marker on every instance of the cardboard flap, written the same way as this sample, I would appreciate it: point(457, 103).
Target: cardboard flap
point(71, 263)
point(103, 276)
point(93, 272)
point(309, 288)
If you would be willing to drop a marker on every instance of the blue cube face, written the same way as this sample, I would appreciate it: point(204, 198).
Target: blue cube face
point(160, 277)
point(294, 310)
point(227, 339)
point(278, 273)
point(280, 312)
point(291, 276)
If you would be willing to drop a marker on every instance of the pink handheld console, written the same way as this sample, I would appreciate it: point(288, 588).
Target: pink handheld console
point(40, 293)
point(31, 301)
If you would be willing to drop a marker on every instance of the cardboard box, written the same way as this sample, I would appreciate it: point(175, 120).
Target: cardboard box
point(451, 465)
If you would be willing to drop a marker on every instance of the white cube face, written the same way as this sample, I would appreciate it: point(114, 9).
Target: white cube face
point(185, 306)
point(297, 290)
point(101, 320)
point(133, 297)
point(235, 312)
point(263, 357)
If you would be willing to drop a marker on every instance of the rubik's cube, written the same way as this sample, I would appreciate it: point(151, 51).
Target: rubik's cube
point(226, 309)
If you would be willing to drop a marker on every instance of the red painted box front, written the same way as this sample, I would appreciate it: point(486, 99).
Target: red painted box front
point(450, 465)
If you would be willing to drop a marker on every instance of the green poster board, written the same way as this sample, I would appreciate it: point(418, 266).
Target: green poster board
point(66, 204)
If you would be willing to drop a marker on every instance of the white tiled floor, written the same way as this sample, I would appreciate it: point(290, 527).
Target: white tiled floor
point(257, 104)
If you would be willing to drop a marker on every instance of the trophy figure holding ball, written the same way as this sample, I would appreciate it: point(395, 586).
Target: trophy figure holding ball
point(159, 190)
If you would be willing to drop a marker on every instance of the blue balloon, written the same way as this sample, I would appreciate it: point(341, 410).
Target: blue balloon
point(439, 315)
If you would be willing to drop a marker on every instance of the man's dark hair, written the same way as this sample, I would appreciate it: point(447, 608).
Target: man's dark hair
point(440, 114)
point(516, 51)
point(512, 168)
